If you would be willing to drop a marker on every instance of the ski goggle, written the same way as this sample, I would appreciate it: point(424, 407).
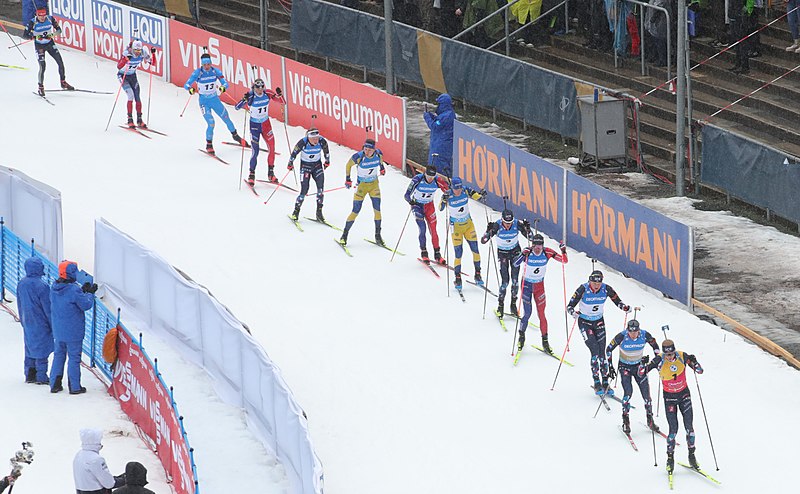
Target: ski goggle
point(259, 84)
point(596, 278)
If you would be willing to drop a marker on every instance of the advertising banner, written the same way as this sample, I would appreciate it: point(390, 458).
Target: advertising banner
point(240, 64)
point(107, 29)
point(71, 15)
point(152, 30)
point(532, 187)
point(143, 397)
point(631, 238)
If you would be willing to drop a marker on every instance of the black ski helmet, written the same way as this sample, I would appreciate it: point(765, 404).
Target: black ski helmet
point(508, 216)
point(430, 170)
point(633, 325)
point(597, 276)
point(537, 239)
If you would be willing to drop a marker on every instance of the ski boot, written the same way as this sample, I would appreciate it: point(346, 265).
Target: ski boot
point(66, 85)
point(30, 376)
point(210, 148)
point(296, 213)
point(424, 256)
point(514, 306)
point(478, 278)
point(546, 345)
point(238, 139)
point(608, 391)
point(40, 92)
point(438, 256)
point(343, 240)
point(626, 423)
point(499, 311)
point(598, 388)
point(251, 178)
point(320, 218)
point(57, 386)
point(692, 459)
point(271, 175)
point(139, 122)
point(378, 238)
point(651, 424)
point(131, 125)
point(521, 341)
point(457, 282)
point(670, 462)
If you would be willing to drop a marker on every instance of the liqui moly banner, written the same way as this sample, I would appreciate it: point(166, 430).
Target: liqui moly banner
point(240, 64)
point(71, 15)
point(143, 396)
point(152, 30)
point(107, 30)
point(345, 110)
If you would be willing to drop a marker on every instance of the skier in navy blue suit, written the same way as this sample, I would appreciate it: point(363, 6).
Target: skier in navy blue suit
point(68, 302)
point(33, 302)
point(441, 144)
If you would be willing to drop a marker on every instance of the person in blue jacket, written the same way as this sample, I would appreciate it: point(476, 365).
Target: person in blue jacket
point(440, 122)
point(206, 77)
point(33, 302)
point(68, 302)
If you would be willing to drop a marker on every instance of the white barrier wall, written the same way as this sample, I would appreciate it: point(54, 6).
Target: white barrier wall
point(206, 333)
point(33, 211)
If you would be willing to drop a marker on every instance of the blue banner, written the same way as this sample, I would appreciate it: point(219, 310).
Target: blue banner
point(629, 237)
point(533, 188)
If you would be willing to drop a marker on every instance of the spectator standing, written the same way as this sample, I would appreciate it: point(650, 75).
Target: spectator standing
point(793, 17)
point(135, 479)
point(440, 122)
point(33, 303)
point(89, 469)
point(741, 14)
point(474, 11)
point(68, 302)
point(525, 11)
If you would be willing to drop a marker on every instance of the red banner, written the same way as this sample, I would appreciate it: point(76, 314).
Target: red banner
point(143, 397)
point(240, 64)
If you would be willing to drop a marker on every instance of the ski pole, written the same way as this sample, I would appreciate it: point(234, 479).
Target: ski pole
point(521, 294)
point(187, 104)
point(15, 45)
point(121, 83)
point(446, 249)
point(286, 133)
point(658, 398)
point(705, 417)
point(20, 52)
point(150, 83)
point(575, 323)
point(401, 235)
point(655, 459)
point(564, 285)
point(247, 129)
point(278, 187)
point(326, 191)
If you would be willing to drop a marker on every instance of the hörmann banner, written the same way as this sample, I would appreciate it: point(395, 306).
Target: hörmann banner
point(629, 237)
point(532, 187)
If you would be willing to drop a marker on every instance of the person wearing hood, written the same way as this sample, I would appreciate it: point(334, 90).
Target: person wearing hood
point(33, 303)
point(135, 478)
point(89, 469)
point(68, 303)
point(441, 144)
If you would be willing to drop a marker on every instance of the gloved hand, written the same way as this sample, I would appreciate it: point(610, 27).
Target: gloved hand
point(574, 313)
point(89, 287)
point(348, 183)
point(563, 247)
point(526, 251)
point(698, 369)
point(413, 202)
point(222, 89)
point(485, 238)
point(120, 480)
point(40, 37)
point(290, 166)
point(646, 360)
point(625, 308)
point(153, 50)
point(192, 90)
point(612, 373)
point(51, 35)
point(383, 171)
point(443, 202)
point(641, 370)
point(326, 164)
point(278, 92)
point(526, 223)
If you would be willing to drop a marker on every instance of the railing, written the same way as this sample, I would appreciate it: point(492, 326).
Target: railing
point(534, 21)
point(98, 321)
point(641, 36)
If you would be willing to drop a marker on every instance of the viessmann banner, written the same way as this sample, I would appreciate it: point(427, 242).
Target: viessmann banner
point(623, 234)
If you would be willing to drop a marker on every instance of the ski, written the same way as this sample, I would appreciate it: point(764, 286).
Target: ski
point(78, 91)
point(13, 67)
point(44, 98)
point(278, 184)
point(500, 319)
point(213, 156)
point(324, 223)
point(697, 470)
point(669, 477)
point(148, 129)
point(296, 223)
point(384, 246)
point(630, 439)
point(243, 146)
point(252, 189)
point(602, 399)
point(460, 294)
point(135, 130)
point(482, 286)
point(617, 398)
point(343, 246)
point(428, 265)
point(551, 355)
point(517, 356)
point(660, 433)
